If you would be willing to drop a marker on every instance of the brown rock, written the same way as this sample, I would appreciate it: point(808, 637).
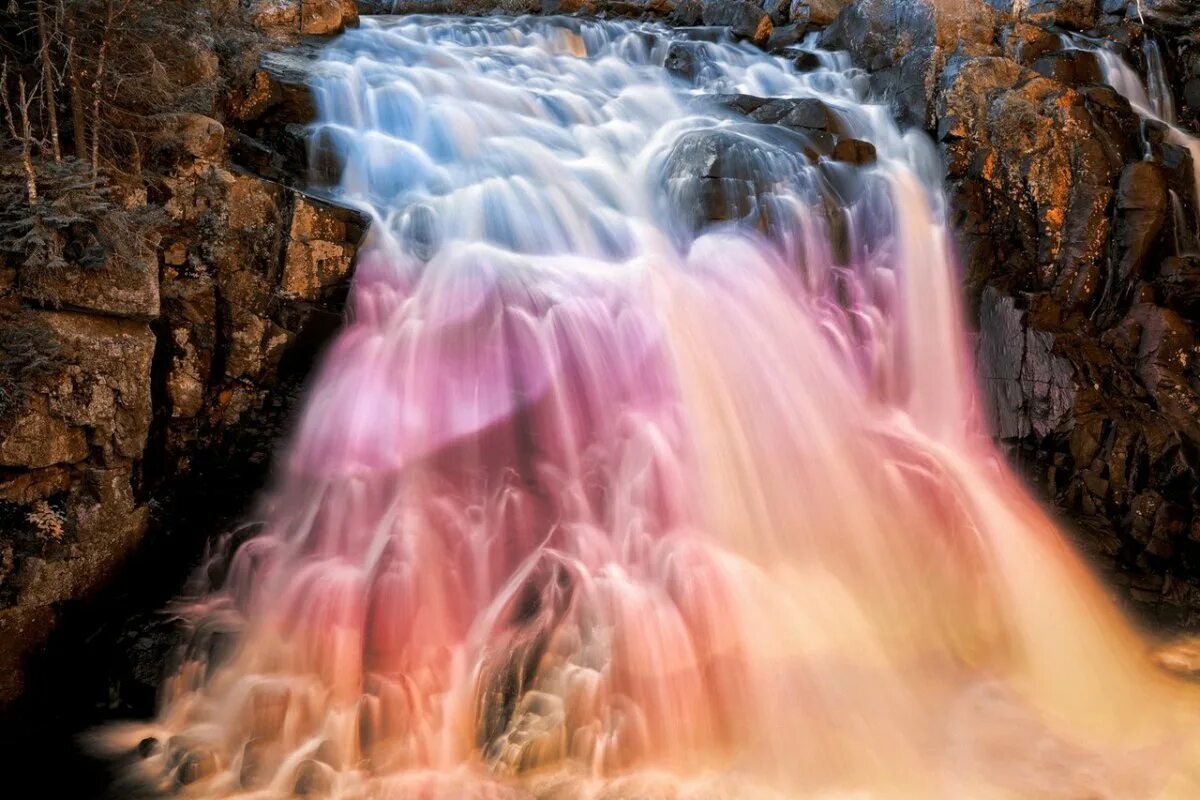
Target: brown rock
point(106, 388)
point(320, 250)
point(116, 288)
point(817, 12)
point(38, 439)
point(282, 18)
point(195, 135)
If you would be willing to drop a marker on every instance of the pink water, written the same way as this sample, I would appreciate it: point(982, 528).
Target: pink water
point(592, 499)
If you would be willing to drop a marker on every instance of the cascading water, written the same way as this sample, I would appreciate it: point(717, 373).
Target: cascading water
point(647, 466)
point(1152, 100)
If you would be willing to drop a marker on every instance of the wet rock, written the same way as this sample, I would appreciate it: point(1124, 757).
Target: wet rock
point(685, 59)
point(1179, 284)
point(257, 764)
point(807, 112)
point(783, 36)
point(807, 61)
point(1166, 346)
point(854, 151)
point(149, 747)
point(1072, 67)
point(722, 175)
point(1191, 93)
point(284, 80)
point(744, 19)
point(146, 648)
point(196, 766)
point(909, 85)
point(1141, 213)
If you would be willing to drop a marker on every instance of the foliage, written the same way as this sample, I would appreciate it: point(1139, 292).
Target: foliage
point(29, 355)
point(75, 221)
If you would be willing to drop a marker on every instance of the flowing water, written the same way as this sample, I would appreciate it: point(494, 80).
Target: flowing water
point(647, 465)
point(1152, 100)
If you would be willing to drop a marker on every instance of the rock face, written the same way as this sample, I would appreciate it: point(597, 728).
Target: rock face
point(135, 380)
point(1087, 318)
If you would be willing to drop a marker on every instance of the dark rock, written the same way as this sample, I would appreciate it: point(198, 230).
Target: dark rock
point(149, 747)
point(196, 766)
point(807, 112)
point(1025, 43)
point(701, 33)
point(1179, 284)
point(784, 36)
point(1191, 93)
point(724, 175)
point(1141, 213)
point(1028, 389)
point(1072, 67)
point(741, 103)
point(807, 61)
point(779, 11)
point(744, 19)
point(909, 85)
point(685, 59)
point(854, 151)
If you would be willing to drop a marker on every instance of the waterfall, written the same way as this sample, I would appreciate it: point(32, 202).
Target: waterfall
point(647, 465)
point(1162, 103)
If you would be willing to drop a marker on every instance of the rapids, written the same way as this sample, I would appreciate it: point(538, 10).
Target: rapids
point(648, 464)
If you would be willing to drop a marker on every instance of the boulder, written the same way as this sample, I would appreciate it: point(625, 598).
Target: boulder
point(879, 33)
point(285, 18)
point(816, 12)
point(320, 249)
point(744, 19)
